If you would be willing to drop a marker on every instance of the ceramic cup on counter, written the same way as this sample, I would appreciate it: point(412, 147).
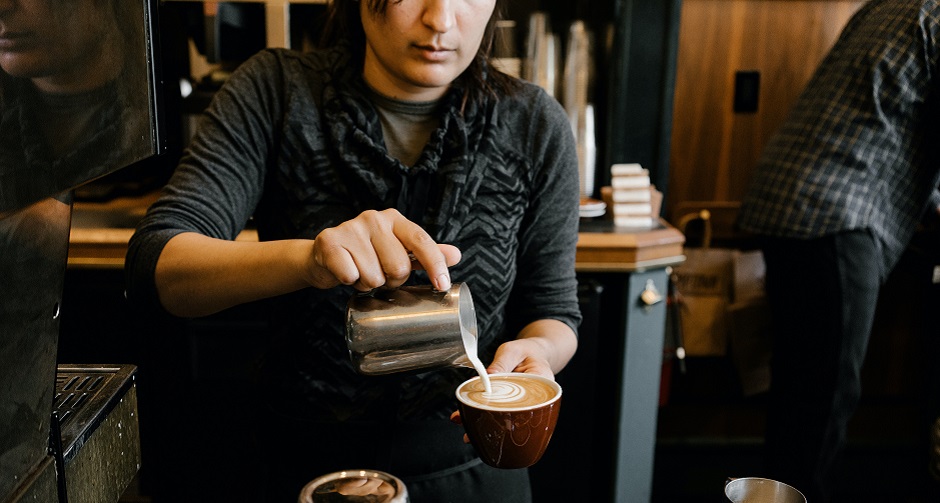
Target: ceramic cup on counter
point(511, 426)
point(355, 486)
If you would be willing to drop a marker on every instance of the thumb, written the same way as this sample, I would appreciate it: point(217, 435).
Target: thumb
point(513, 357)
point(499, 367)
point(506, 359)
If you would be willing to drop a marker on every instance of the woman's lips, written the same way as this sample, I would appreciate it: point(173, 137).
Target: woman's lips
point(434, 53)
point(10, 41)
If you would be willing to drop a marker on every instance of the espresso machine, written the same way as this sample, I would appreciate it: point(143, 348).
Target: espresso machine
point(67, 432)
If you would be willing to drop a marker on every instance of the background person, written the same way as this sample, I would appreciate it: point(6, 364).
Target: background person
point(838, 194)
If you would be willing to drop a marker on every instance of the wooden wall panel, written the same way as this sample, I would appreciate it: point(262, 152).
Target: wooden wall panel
point(713, 149)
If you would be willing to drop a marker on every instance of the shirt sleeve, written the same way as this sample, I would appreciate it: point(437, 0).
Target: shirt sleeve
point(546, 286)
point(219, 180)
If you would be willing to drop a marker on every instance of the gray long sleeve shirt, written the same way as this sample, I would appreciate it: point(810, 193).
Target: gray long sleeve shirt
point(293, 141)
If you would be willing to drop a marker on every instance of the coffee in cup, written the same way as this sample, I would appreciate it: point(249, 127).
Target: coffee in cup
point(511, 426)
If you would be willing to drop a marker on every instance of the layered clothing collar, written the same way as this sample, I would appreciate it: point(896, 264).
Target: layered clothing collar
point(438, 190)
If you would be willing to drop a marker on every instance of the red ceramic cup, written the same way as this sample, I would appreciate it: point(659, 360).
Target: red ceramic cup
point(512, 426)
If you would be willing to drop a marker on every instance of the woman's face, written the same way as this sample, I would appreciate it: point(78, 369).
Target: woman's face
point(63, 45)
point(418, 47)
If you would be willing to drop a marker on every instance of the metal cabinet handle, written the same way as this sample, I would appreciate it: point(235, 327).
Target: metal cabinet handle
point(650, 295)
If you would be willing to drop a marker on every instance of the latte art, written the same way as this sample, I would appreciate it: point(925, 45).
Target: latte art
point(507, 392)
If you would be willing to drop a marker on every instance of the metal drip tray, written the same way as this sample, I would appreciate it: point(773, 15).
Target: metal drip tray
point(97, 410)
point(85, 395)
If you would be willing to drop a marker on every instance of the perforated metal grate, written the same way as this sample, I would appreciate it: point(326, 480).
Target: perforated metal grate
point(84, 395)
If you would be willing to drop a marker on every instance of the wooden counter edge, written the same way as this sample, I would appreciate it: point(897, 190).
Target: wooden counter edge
point(96, 248)
point(597, 251)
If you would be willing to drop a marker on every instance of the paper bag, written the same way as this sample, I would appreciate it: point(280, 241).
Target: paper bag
point(703, 283)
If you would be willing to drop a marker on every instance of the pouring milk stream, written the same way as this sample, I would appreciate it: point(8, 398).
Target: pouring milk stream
point(470, 343)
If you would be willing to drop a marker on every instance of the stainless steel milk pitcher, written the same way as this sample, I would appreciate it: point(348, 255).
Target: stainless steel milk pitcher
point(410, 328)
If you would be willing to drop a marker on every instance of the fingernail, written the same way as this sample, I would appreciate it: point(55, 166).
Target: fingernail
point(443, 282)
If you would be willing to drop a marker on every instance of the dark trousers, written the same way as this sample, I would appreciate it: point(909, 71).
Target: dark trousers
point(823, 293)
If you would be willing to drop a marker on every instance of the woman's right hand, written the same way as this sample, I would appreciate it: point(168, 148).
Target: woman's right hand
point(378, 249)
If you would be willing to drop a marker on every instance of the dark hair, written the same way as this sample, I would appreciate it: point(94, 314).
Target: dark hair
point(344, 25)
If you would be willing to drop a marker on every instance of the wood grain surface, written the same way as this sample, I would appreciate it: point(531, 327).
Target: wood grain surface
point(713, 149)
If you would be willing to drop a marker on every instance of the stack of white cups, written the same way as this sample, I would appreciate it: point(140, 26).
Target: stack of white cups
point(631, 196)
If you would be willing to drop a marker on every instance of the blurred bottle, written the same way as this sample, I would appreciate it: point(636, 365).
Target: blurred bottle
point(577, 100)
point(543, 54)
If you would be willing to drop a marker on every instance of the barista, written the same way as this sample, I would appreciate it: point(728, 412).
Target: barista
point(397, 138)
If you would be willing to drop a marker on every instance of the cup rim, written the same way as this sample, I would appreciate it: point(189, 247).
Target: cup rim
point(554, 384)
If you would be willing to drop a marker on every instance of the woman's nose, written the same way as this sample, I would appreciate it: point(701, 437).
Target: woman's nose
point(439, 15)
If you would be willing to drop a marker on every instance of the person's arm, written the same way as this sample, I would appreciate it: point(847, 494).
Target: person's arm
point(183, 256)
point(197, 275)
point(544, 307)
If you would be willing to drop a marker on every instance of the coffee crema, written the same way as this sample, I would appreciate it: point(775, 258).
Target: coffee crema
point(508, 392)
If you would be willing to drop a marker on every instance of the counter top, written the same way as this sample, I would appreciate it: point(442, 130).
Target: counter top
point(100, 233)
point(603, 247)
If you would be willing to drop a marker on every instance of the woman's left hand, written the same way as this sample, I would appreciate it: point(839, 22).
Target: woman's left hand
point(543, 347)
point(522, 355)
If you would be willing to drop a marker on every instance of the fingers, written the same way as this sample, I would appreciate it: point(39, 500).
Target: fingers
point(436, 264)
point(341, 257)
point(426, 252)
point(508, 356)
point(518, 356)
point(455, 418)
point(388, 263)
point(379, 249)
